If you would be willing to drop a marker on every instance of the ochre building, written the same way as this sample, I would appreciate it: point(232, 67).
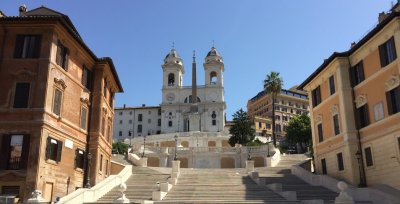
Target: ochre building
point(355, 99)
point(288, 104)
point(56, 105)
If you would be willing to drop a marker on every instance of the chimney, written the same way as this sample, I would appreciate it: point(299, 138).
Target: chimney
point(352, 44)
point(22, 10)
point(124, 105)
point(2, 14)
point(382, 16)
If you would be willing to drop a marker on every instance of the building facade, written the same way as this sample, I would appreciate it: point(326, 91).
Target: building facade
point(56, 105)
point(262, 126)
point(180, 111)
point(289, 103)
point(355, 100)
point(133, 122)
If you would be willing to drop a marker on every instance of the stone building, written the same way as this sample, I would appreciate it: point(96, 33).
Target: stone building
point(289, 103)
point(355, 108)
point(131, 122)
point(56, 105)
point(262, 126)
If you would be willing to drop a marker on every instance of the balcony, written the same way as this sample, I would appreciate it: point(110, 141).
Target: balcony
point(14, 163)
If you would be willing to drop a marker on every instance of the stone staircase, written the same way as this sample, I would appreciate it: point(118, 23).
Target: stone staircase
point(139, 186)
point(219, 186)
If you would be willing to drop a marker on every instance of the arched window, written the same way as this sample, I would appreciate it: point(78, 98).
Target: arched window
point(171, 79)
point(213, 78)
point(189, 99)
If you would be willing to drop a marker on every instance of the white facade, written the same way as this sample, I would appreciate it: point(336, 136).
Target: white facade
point(137, 120)
point(176, 101)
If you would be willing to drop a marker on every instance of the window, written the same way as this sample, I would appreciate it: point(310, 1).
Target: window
point(103, 125)
point(120, 113)
point(101, 163)
point(214, 122)
point(268, 126)
point(109, 132)
point(120, 133)
point(149, 120)
point(277, 117)
point(130, 121)
point(278, 128)
point(106, 167)
point(320, 132)
point(368, 156)
point(14, 151)
point(259, 124)
point(387, 52)
point(130, 112)
point(57, 102)
point(21, 96)
point(362, 116)
point(393, 100)
point(159, 122)
point(284, 118)
point(27, 46)
point(84, 112)
point(79, 158)
point(298, 112)
point(284, 109)
point(332, 84)
point(357, 74)
point(336, 124)
point(120, 121)
point(316, 96)
point(170, 123)
point(213, 78)
point(323, 164)
point(53, 149)
point(105, 88)
point(149, 112)
point(62, 56)
point(340, 161)
point(86, 78)
point(171, 79)
point(140, 117)
point(130, 133)
point(159, 111)
point(139, 128)
point(10, 190)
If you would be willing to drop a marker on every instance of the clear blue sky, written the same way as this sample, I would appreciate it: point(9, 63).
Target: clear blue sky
point(254, 38)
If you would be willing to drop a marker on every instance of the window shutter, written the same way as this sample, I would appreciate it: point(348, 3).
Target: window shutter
point(393, 47)
point(76, 157)
point(85, 162)
point(58, 55)
point(38, 43)
point(5, 147)
point(361, 72)
point(366, 114)
point(19, 42)
point(66, 59)
point(352, 72)
point(389, 103)
point(59, 150)
point(382, 55)
point(48, 147)
point(25, 152)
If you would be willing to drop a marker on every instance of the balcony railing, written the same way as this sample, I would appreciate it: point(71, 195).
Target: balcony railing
point(14, 163)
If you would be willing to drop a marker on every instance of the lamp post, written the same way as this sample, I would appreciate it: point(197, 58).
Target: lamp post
point(358, 156)
point(89, 157)
point(248, 153)
point(176, 148)
point(144, 144)
point(130, 138)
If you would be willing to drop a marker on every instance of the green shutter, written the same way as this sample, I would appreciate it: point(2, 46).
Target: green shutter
point(48, 152)
point(382, 55)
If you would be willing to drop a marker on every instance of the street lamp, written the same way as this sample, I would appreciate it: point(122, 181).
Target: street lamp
point(358, 156)
point(89, 157)
point(130, 138)
point(176, 148)
point(144, 144)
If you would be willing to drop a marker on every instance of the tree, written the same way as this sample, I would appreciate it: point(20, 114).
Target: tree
point(121, 147)
point(273, 85)
point(299, 131)
point(241, 131)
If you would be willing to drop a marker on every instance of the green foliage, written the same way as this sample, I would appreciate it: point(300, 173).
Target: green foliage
point(255, 142)
point(273, 85)
point(241, 131)
point(299, 131)
point(121, 147)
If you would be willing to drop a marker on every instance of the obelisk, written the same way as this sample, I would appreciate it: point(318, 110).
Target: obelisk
point(194, 115)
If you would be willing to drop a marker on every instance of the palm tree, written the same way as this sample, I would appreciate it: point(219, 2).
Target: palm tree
point(273, 85)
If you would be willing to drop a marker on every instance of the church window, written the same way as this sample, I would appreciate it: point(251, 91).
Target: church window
point(171, 79)
point(189, 99)
point(213, 78)
point(214, 116)
point(170, 123)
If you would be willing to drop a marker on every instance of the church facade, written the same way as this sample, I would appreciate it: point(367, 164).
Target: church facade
point(193, 108)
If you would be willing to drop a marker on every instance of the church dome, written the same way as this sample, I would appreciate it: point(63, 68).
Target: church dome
point(213, 55)
point(173, 57)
